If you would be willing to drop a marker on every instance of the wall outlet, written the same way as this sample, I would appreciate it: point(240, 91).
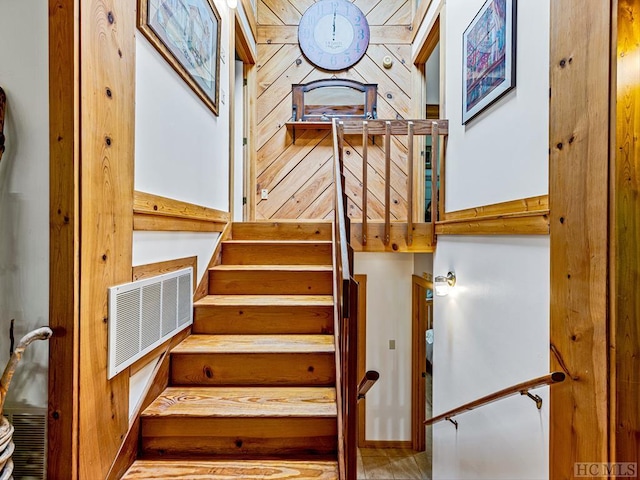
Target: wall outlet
point(392, 344)
point(264, 194)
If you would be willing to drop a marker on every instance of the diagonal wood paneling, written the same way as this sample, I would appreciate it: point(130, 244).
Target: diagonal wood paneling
point(299, 176)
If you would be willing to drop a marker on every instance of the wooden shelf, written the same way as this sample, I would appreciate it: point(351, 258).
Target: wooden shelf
point(307, 126)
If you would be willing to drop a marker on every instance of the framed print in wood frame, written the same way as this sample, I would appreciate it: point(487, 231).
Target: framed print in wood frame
point(489, 56)
point(187, 35)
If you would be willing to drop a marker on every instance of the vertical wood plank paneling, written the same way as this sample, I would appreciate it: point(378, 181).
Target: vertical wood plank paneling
point(293, 191)
point(64, 214)
point(578, 196)
point(107, 57)
point(625, 237)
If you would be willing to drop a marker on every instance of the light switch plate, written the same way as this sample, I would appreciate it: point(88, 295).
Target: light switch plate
point(392, 344)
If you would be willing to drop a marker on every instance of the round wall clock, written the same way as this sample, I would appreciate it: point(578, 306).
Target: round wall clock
point(333, 34)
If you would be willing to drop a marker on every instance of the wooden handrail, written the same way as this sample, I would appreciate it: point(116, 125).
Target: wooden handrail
point(368, 381)
point(346, 316)
point(521, 389)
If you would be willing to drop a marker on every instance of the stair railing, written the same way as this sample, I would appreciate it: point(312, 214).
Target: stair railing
point(368, 381)
point(438, 130)
point(519, 389)
point(346, 320)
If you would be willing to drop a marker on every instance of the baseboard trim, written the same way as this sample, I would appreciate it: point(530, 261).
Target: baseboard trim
point(387, 444)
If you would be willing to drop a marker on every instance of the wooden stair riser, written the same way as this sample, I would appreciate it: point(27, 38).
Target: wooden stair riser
point(263, 319)
point(282, 231)
point(253, 369)
point(251, 253)
point(270, 282)
point(239, 437)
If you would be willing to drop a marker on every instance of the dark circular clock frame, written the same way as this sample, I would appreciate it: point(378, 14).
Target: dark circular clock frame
point(315, 53)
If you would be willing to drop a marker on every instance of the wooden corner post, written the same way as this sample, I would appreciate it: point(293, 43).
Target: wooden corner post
point(92, 116)
point(578, 197)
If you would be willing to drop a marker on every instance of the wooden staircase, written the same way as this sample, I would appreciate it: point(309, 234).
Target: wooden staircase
point(252, 391)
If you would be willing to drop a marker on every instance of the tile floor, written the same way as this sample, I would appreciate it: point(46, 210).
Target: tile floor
point(393, 464)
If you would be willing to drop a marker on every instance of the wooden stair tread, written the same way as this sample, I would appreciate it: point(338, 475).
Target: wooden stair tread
point(238, 402)
point(243, 344)
point(271, 268)
point(265, 300)
point(291, 230)
point(277, 242)
point(225, 469)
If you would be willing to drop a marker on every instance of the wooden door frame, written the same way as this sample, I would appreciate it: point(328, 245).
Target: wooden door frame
point(419, 288)
point(240, 40)
point(362, 354)
point(418, 94)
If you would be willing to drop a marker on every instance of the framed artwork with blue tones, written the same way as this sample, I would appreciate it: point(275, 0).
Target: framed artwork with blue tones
point(187, 35)
point(489, 56)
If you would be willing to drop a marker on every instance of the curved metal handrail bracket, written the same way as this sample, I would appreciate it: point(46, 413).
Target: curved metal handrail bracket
point(519, 389)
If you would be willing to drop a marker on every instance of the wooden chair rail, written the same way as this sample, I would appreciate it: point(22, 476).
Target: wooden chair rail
point(519, 389)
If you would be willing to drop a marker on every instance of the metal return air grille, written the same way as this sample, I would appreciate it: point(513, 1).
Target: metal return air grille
point(30, 439)
point(145, 313)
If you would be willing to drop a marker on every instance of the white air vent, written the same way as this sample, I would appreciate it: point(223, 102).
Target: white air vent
point(145, 313)
point(30, 439)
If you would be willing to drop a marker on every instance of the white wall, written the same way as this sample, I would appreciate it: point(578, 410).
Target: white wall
point(24, 192)
point(388, 318)
point(182, 148)
point(502, 154)
point(492, 331)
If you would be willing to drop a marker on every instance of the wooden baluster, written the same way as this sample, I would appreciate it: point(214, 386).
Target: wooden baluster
point(434, 178)
point(387, 183)
point(410, 127)
point(365, 165)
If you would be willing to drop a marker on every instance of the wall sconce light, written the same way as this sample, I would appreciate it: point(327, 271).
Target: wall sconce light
point(232, 3)
point(442, 285)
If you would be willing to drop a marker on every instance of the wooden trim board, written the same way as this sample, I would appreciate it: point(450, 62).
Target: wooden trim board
point(418, 355)
point(362, 353)
point(149, 204)
point(64, 225)
point(526, 216)
point(418, 17)
point(403, 444)
point(158, 223)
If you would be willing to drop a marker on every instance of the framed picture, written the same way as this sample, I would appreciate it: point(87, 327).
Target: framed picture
point(187, 34)
point(489, 56)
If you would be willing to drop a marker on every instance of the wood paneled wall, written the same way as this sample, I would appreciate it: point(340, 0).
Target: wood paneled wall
point(625, 236)
point(298, 176)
